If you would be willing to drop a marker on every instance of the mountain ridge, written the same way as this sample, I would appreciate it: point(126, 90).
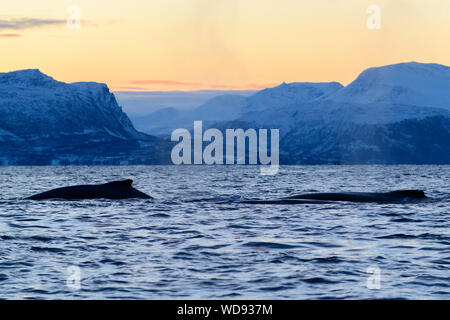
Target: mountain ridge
point(398, 113)
point(46, 121)
point(339, 128)
point(230, 107)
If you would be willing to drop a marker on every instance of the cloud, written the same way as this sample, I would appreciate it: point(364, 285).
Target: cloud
point(261, 86)
point(165, 83)
point(250, 86)
point(26, 23)
point(145, 85)
point(129, 88)
point(10, 35)
point(142, 83)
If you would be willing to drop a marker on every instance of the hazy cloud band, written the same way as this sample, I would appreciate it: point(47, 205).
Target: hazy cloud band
point(25, 23)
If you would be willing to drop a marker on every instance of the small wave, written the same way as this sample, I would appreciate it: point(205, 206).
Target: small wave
point(159, 215)
point(47, 249)
point(40, 238)
point(170, 203)
point(36, 291)
point(431, 236)
point(397, 236)
point(323, 244)
point(230, 295)
point(182, 255)
point(113, 262)
point(332, 259)
point(405, 220)
point(238, 226)
point(427, 236)
point(430, 283)
point(20, 226)
point(278, 288)
point(318, 280)
point(198, 247)
point(270, 245)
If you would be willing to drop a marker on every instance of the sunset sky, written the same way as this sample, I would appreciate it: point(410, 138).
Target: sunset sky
point(218, 44)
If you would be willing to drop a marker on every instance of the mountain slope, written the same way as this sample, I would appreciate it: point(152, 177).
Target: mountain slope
point(45, 121)
point(417, 84)
point(164, 121)
point(231, 107)
point(288, 94)
point(34, 105)
point(392, 114)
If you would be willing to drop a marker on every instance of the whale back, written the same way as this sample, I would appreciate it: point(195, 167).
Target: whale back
point(409, 193)
point(122, 183)
point(391, 196)
point(111, 190)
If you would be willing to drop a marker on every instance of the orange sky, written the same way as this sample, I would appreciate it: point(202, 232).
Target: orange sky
point(218, 44)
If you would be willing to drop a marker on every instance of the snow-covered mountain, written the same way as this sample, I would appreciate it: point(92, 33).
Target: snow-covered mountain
point(290, 94)
point(392, 114)
point(379, 95)
point(36, 105)
point(414, 84)
point(137, 104)
point(231, 107)
point(50, 121)
point(164, 121)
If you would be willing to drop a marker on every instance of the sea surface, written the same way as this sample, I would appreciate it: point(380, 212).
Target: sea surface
point(217, 247)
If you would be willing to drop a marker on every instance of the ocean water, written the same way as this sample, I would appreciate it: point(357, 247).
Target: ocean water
point(216, 247)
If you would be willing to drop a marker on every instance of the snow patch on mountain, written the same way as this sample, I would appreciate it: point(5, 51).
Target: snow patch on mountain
point(44, 121)
point(231, 107)
point(34, 104)
point(288, 94)
point(415, 84)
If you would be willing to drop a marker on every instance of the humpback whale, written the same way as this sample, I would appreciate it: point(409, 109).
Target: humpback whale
point(324, 198)
point(112, 190)
point(393, 196)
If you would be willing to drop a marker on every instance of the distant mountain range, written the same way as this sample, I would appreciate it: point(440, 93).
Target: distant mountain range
point(164, 121)
point(392, 114)
point(142, 103)
point(231, 107)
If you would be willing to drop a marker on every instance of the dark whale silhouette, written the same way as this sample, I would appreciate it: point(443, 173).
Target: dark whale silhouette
point(112, 190)
point(286, 201)
point(393, 196)
point(324, 198)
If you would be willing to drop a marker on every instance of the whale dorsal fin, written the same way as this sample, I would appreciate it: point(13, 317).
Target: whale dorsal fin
point(122, 183)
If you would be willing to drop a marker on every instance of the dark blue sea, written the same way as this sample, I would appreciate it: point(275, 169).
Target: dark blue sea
point(217, 247)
